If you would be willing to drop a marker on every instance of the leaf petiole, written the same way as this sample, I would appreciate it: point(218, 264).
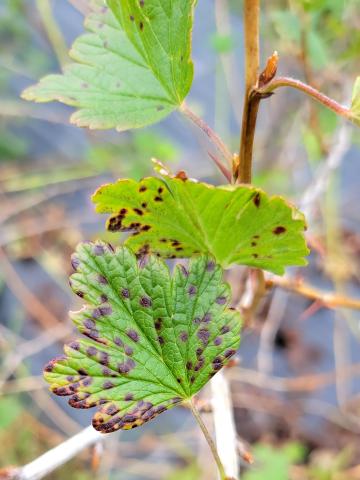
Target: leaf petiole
point(308, 90)
point(209, 440)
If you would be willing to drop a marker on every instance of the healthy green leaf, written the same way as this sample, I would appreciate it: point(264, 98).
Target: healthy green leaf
point(274, 463)
point(154, 340)
point(355, 104)
point(235, 224)
point(131, 70)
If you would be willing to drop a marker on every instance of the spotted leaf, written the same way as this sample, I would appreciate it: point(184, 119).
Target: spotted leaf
point(355, 104)
point(133, 67)
point(235, 224)
point(154, 340)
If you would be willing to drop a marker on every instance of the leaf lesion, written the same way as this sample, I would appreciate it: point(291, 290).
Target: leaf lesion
point(119, 365)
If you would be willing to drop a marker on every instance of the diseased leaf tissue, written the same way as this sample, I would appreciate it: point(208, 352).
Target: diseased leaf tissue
point(154, 340)
point(132, 69)
point(173, 218)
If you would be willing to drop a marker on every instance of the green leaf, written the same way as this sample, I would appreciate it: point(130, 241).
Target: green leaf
point(274, 463)
point(131, 70)
point(355, 104)
point(235, 224)
point(154, 340)
point(10, 409)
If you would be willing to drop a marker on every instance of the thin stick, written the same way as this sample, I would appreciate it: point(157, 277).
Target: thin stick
point(224, 423)
point(243, 168)
point(59, 455)
point(209, 440)
point(213, 137)
point(330, 300)
point(31, 303)
point(308, 90)
point(53, 32)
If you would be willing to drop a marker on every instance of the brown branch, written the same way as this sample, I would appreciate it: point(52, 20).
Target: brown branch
point(329, 300)
point(243, 167)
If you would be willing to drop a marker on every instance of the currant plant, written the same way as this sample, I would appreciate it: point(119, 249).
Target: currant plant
point(155, 338)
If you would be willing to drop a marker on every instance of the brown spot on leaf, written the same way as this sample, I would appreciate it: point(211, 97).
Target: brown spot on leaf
point(229, 353)
point(192, 290)
point(279, 230)
point(107, 385)
point(145, 302)
point(138, 211)
point(115, 223)
point(217, 363)
point(90, 324)
point(102, 280)
point(98, 250)
point(184, 271)
point(206, 318)
point(112, 410)
point(75, 262)
point(199, 352)
point(203, 334)
point(49, 367)
point(182, 175)
point(221, 300)
point(128, 350)
point(225, 329)
point(91, 351)
point(210, 266)
point(104, 358)
point(200, 364)
point(142, 189)
point(128, 397)
point(125, 293)
point(131, 333)
point(183, 336)
point(257, 199)
point(105, 310)
point(74, 345)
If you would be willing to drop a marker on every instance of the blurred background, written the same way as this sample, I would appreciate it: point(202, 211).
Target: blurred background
point(296, 389)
